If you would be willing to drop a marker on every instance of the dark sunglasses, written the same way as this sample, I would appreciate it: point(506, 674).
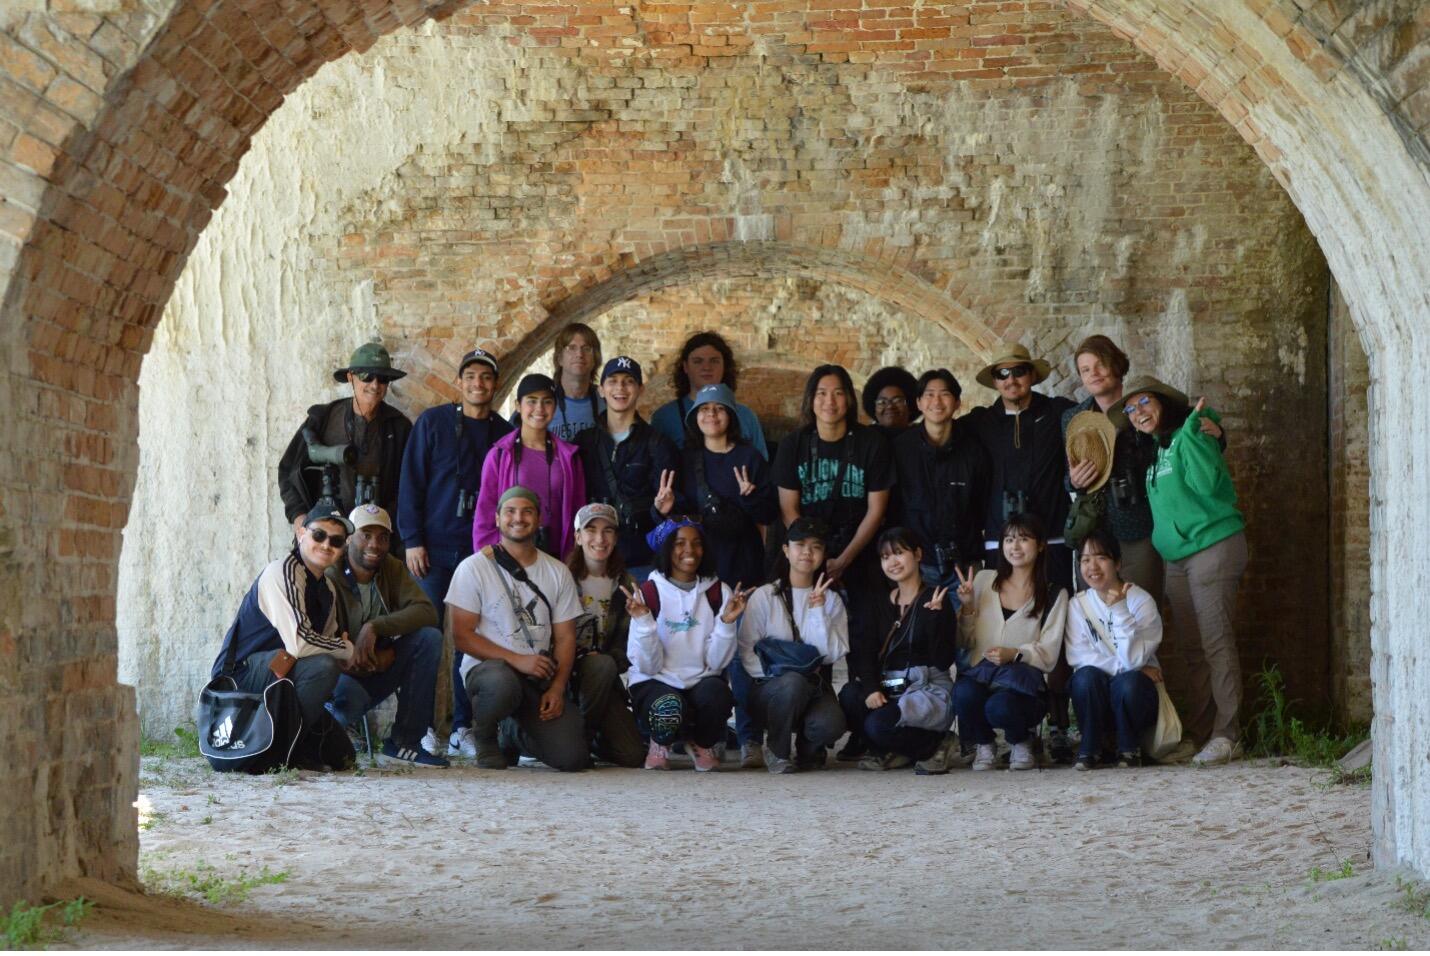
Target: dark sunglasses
point(1012, 371)
point(1131, 406)
point(319, 535)
point(366, 377)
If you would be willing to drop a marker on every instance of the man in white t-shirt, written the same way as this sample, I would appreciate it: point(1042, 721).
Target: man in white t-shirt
point(514, 613)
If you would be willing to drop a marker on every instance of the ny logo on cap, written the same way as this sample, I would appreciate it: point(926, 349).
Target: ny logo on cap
point(623, 362)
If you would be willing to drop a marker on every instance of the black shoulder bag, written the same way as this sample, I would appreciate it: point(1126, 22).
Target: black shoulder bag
point(244, 731)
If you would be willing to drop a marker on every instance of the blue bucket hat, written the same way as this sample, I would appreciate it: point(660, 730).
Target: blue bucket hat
point(718, 393)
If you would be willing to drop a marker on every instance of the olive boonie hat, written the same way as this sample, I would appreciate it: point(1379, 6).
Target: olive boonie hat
point(1091, 436)
point(1008, 355)
point(1145, 384)
point(370, 357)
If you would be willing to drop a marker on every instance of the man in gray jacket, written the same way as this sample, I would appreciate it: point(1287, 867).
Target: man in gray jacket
point(397, 644)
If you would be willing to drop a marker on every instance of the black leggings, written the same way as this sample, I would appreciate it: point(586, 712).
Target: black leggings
point(666, 714)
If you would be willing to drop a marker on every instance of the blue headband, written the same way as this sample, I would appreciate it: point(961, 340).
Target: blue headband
point(658, 534)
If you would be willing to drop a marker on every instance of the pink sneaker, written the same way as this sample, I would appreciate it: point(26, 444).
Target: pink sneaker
point(704, 757)
point(657, 757)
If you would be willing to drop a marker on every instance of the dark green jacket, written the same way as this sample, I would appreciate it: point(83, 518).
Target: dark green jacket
point(408, 608)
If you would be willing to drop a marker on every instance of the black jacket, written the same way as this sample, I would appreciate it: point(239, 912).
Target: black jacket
point(1027, 457)
point(636, 464)
point(301, 485)
point(943, 492)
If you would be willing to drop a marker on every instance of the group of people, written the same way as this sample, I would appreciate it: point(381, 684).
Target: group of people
point(617, 589)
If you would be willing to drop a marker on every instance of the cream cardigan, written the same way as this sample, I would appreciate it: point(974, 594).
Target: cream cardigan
point(986, 629)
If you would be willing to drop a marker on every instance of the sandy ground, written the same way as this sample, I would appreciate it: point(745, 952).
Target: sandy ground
point(527, 858)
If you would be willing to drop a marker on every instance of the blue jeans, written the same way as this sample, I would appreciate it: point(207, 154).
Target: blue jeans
point(747, 730)
point(1127, 703)
point(980, 709)
point(413, 673)
point(442, 564)
point(881, 727)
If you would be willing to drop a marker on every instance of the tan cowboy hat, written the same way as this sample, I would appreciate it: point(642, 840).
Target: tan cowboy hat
point(1091, 437)
point(1144, 384)
point(1009, 354)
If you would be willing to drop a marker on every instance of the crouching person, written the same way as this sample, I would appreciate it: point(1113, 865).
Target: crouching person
point(601, 634)
point(514, 611)
point(793, 632)
point(682, 638)
point(1113, 632)
point(397, 645)
point(902, 696)
point(287, 626)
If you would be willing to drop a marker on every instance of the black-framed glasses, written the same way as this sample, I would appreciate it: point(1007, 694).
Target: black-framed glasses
point(319, 536)
point(895, 402)
point(1139, 402)
point(368, 377)
point(1012, 371)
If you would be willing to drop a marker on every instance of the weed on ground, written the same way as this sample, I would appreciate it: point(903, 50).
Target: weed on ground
point(27, 928)
point(204, 881)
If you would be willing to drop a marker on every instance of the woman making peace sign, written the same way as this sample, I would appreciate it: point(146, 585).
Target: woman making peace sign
point(797, 608)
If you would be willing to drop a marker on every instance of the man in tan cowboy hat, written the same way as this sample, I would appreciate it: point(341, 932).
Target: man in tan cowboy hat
point(1022, 433)
point(360, 439)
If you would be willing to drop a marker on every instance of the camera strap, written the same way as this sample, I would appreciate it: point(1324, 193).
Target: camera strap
point(695, 465)
point(608, 466)
point(513, 568)
point(784, 592)
point(903, 627)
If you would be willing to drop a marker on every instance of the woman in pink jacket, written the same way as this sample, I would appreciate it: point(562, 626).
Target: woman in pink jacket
point(533, 458)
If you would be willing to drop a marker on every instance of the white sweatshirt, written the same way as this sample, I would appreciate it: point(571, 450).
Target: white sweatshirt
point(688, 643)
point(765, 616)
point(1038, 639)
point(1133, 626)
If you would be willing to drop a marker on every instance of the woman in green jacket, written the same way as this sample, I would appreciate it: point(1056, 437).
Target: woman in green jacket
point(1200, 534)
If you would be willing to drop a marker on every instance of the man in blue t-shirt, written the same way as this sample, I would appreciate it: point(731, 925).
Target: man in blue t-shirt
point(441, 475)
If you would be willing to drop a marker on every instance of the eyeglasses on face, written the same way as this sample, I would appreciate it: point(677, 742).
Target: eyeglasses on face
point(1139, 402)
point(369, 377)
point(1012, 371)
point(335, 540)
point(896, 402)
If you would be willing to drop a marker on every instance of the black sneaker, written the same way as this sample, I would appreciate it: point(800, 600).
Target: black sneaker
point(1126, 760)
point(854, 749)
point(490, 755)
point(1059, 749)
point(414, 756)
point(1085, 763)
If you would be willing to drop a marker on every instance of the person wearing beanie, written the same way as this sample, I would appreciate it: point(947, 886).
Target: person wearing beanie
point(514, 611)
point(441, 476)
point(535, 459)
point(373, 432)
point(628, 464)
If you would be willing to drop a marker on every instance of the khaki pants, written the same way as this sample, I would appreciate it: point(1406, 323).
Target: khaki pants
point(1201, 595)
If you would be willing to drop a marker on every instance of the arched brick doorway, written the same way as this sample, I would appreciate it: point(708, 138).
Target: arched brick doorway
point(132, 125)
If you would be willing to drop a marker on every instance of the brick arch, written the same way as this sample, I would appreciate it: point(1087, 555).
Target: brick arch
point(735, 259)
point(135, 125)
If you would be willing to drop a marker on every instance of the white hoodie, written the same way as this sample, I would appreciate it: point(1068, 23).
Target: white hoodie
point(765, 616)
point(1133, 626)
point(688, 643)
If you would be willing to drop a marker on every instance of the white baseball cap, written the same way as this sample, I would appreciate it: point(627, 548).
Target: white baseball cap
point(365, 516)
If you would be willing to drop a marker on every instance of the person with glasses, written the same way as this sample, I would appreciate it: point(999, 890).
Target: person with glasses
point(363, 437)
point(889, 399)
point(287, 626)
point(441, 475)
point(705, 359)
point(1022, 433)
point(575, 360)
point(1200, 534)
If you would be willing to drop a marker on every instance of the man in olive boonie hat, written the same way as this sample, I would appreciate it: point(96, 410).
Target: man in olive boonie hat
point(358, 442)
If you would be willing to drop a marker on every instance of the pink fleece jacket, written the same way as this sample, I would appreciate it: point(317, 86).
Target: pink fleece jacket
point(499, 474)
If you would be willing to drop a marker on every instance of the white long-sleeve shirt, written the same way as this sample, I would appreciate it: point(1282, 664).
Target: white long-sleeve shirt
point(688, 643)
point(1037, 638)
point(765, 616)
point(1133, 625)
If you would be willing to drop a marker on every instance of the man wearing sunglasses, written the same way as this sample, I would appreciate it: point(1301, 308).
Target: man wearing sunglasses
point(287, 623)
point(374, 431)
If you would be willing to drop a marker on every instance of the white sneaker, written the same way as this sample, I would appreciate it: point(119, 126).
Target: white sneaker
point(984, 758)
point(429, 741)
point(462, 743)
point(1022, 757)
point(1219, 750)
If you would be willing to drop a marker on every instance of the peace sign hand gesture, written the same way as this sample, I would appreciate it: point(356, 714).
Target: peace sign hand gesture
point(1118, 594)
point(742, 476)
point(736, 605)
point(817, 593)
point(635, 602)
point(965, 590)
point(665, 495)
point(935, 603)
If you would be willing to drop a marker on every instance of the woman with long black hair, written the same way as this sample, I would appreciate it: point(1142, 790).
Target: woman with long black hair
point(840, 471)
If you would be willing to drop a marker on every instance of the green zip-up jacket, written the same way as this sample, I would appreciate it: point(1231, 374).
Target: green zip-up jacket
point(1189, 489)
point(408, 607)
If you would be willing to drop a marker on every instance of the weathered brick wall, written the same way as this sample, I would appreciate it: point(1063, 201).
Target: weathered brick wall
point(122, 124)
point(1350, 518)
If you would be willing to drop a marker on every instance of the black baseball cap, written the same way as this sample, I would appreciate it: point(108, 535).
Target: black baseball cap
point(479, 355)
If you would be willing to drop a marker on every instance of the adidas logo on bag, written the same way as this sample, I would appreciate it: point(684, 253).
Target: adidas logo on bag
point(221, 736)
